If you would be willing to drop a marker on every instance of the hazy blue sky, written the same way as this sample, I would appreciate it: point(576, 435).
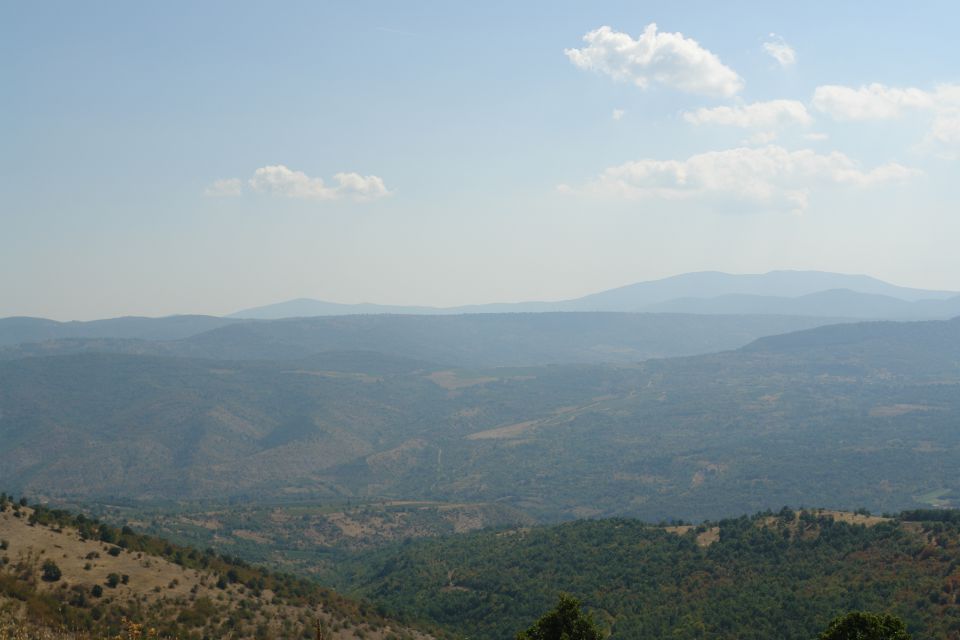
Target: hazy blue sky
point(201, 157)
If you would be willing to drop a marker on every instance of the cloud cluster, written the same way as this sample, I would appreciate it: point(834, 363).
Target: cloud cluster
point(770, 177)
point(780, 51)
point(279, 180)
point(668, 59)
point(880, 102)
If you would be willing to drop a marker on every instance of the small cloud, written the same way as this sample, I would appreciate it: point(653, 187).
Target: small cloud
point(279, 180)
point(668, 59)
point(618, 114)
point(758, 115)
point(816, 137)
point(226, 188)
point(780, 51)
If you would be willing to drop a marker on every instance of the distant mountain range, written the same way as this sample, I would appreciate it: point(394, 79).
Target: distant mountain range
point(805, 293)
point(788, 300)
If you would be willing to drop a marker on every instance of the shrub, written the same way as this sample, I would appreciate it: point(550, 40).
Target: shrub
point(51, 572)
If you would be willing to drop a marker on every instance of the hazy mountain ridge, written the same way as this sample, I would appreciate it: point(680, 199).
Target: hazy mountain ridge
point(765, 293)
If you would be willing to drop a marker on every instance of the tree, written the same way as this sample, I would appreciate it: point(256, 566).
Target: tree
point(564, 622)
point(51, 572)
point(861, 625)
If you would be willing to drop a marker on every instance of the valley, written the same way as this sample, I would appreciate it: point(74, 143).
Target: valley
point(456, 472)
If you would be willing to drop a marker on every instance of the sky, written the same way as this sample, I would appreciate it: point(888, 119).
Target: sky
point(173, 157)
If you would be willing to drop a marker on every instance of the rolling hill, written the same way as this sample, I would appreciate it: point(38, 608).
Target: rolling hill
point(478, 340)
point(843, 416)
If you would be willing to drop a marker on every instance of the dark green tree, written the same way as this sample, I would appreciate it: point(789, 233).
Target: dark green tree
point(565, 622)
point(861, 625)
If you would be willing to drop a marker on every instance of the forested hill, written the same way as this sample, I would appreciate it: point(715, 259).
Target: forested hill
point(928, 343)
point(782, 575)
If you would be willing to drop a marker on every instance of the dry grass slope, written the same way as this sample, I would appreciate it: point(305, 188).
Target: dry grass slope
point(102, 586)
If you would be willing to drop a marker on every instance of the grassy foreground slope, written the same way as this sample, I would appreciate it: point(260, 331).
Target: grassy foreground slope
point(783, 575)
point(58, 571)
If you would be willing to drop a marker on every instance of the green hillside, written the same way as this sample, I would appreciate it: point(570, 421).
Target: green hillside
point(783, 575)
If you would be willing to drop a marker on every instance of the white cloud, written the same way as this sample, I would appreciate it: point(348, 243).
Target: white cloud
point(771, 177)
point(759, 115)
point(668, 59)
point(618, 114)
point(817, 136)
point(782, 52)
point(869, 102)
point(279, 180)
point(226, 188)
point(878, 102)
